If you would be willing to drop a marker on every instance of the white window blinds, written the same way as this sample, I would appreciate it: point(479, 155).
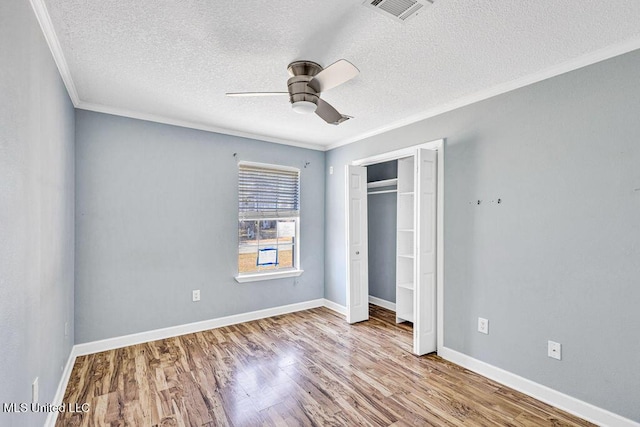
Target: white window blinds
point(268, 191)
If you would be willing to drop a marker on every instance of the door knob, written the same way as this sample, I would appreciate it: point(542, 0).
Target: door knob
point(357, 252)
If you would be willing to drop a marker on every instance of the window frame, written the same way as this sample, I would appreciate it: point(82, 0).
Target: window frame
point(269, 274)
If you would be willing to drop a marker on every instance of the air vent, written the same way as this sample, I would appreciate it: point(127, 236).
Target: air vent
point(398, 10)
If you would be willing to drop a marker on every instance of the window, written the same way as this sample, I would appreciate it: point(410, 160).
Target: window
point(268, 221)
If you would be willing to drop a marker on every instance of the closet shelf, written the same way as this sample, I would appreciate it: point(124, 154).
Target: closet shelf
point(408, 285)
point(383, 183)
point(405, 241)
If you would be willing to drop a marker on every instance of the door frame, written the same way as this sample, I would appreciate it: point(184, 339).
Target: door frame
point(437, 145)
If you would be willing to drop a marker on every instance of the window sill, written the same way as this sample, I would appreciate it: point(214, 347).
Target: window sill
point(244, 278)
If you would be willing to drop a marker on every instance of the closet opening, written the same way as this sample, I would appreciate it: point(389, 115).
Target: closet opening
point(384, 237)
point(394, 240)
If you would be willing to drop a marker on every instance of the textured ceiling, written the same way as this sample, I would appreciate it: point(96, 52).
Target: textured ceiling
point(173, 60)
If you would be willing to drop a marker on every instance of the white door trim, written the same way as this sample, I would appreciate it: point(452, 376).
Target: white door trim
point(437, 145)
point(398, 154)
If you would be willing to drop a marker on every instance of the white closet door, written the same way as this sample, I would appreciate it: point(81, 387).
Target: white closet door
point(357, 245)
point(424, 334)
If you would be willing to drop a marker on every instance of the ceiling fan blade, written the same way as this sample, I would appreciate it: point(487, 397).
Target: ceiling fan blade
point(335, 74)
point(330, 114)
point(240, 94)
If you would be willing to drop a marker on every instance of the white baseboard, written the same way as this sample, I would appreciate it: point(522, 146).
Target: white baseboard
point(382, 303)
point(543, 393)
point(174, 331)
point(340, 309)
point(62, 387)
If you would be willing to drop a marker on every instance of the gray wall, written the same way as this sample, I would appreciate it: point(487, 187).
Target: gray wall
point(382, 245)
point(558, 260)
point(36, 214)
point(381, 224)
point(157, 216)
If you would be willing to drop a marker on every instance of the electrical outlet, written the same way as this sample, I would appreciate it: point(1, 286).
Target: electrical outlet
point(330, 170)
point(196, 295)
point(483, 325)
point(66, 329)
point(34, 391)
point(554, 350)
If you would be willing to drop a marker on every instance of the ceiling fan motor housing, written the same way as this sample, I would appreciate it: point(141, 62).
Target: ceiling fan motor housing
point(301, 95)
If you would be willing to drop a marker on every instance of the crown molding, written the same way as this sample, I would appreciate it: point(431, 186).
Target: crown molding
point(556, 70)
point(44, 19)
point(49, 32)
point(192, 125)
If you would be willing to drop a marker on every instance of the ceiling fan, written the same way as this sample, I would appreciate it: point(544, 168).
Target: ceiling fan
point(308, 79)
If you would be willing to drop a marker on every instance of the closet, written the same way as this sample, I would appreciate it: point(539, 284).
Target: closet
point(392, 235)
point(400, 251)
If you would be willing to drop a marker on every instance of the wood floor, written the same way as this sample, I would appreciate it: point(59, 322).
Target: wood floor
point(303, 369)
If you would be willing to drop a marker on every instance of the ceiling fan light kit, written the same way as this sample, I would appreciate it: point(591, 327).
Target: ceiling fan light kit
point(304, 107)
point(308, 79)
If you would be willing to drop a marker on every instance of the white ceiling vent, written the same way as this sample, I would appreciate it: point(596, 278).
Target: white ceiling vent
point(399, 10)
